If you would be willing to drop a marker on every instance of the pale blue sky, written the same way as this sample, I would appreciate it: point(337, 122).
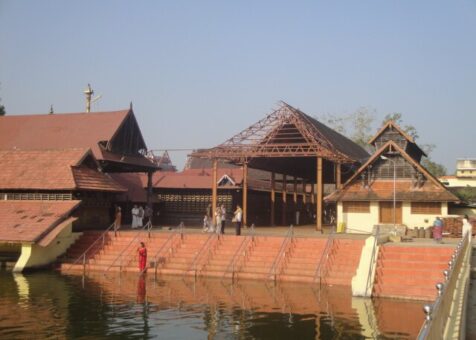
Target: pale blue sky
point(200, 71)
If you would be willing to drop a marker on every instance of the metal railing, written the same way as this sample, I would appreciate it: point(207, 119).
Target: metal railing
point(101, 237)
point(193, 264)
point(161, 249)
point(134, 239)
point(281, 254)
point(373, 261)
point(438, 314)
point(232, 265)
point(324, 257)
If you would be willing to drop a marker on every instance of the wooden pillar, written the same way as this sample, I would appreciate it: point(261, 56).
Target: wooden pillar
point(338, 175)
point(295, 192)
point(214, 190)
point(319, 195)
point(149, 189)
point(304, 195)
point(245, 193)
point(284, 192)
point(313, 196)
point(273, 197)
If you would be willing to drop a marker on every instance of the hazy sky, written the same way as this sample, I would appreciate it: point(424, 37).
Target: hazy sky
point(200, 71)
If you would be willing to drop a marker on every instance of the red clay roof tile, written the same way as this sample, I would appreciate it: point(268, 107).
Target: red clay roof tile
point(29, 221)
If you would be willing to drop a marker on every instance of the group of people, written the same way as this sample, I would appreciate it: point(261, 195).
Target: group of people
point(139, 214)
point(438, 228)
point(217, 224)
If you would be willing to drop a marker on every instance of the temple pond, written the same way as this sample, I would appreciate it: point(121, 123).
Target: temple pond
point(48, 305)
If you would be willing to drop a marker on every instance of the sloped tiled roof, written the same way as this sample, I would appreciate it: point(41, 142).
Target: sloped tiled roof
point(60, 131)
point(30, 221)
point(90, 179)
point(51, 170)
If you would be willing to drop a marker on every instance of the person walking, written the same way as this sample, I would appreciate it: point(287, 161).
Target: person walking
point(117, 219)
point(140, 216)
point(467, 227)
point(223, 218)
point(218, 220)
point(142, 253)
point(438, 230)
point(135, 217)
point(238, 215)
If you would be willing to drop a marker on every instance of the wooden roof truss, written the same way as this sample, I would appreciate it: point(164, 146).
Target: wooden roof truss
point(286, 132)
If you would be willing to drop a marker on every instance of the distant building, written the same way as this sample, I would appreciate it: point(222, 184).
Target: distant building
point(463, 185)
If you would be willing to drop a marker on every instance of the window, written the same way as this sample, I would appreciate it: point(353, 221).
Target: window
point(357, 207)
point(428, 208)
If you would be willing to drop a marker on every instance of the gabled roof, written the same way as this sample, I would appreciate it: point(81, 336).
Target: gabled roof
point(388, 125)
point(94, 130)
point(287, 132)
point(442, 194)
point(52, 170)
point(30, 221)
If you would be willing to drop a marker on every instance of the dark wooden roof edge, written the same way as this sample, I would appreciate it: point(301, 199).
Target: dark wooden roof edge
point(393, 124)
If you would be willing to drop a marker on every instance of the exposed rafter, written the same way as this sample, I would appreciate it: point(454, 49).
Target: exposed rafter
point(286, 132)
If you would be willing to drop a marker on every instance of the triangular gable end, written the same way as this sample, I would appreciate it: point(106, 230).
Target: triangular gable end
point(226, 180)
point(128, 138)
point(420, 175)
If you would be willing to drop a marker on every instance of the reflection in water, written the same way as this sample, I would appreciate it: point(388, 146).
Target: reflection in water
point(49, 305)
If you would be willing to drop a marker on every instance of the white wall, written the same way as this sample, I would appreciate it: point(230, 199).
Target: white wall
point(358, 222)
point(364, 222)
point(418, 220)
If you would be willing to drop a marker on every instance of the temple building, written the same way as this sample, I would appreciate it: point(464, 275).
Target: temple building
point(293, 148)
point(392, 188)
point(55, 178)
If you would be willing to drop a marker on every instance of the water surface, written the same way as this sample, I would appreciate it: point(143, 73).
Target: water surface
point(48, 305)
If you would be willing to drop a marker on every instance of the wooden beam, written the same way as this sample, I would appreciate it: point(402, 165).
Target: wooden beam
point(245, 193)
point(283, 210)
point(295, 192)
point(319, 195)
point(273, 197)
point(338, 175)
point(214, 190)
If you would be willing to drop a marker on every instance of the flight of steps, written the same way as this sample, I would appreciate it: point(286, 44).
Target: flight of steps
point(188, 251)
point(260, 258)
point(303, 260)
point(227, 250)
point(410, 272)
point(344, 258)
point(242, 257)
point(117, 253)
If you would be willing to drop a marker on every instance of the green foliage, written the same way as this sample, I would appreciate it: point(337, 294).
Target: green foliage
point(2, 110)
point(357, 124)
point(434, 168)
point(397, 118)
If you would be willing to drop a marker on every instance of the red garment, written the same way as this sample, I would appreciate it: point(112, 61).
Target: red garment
point(142, 258)
point(437, 233)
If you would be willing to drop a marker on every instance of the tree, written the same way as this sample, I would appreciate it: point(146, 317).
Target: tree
point(359, 123)
point(397, 118)
point(2, 110)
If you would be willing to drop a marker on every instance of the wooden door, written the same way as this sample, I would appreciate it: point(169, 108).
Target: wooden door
point(386, 213)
